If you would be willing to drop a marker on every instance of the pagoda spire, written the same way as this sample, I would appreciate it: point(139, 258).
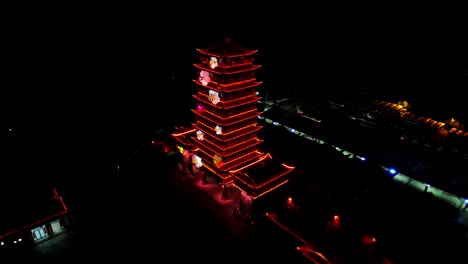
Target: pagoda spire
point(227, 37)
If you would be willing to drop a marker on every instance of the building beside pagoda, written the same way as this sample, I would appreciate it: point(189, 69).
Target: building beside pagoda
point(222, 146)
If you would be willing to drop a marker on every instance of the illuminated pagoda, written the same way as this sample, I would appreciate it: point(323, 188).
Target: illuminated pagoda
point(223, 144)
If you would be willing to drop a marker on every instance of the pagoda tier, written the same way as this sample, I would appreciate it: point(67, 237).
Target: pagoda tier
point(261, 176)
point(221, 170)
point(231, 152)
point(228, 139)
point(232, 87)
point(229, 72)
point(229, 123)
point(230, 103)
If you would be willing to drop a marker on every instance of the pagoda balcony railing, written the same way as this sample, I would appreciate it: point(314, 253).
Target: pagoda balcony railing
point(228, 131)
point(216, 174)
point(248, 84)
point(228, 165)
point(241, 85)
point(228, 113)
point(224, 104)
point(227, 95)
point(239, 102)
point(228, 70)
point(228, 121)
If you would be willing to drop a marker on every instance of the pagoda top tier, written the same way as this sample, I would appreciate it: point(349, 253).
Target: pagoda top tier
point(227, 48)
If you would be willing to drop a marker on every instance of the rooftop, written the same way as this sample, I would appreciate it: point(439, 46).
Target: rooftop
point(227, 48)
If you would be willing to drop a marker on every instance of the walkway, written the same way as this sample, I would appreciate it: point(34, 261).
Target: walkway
point(456, 201)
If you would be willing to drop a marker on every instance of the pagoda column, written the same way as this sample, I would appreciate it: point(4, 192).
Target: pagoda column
point(224, 191)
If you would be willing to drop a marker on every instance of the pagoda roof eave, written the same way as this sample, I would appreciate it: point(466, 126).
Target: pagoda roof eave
point(225, 53)
point(183, 135)
point(256, 188)
point(228, 87)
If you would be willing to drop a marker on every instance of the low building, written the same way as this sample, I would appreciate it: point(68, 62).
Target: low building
point(31, 214)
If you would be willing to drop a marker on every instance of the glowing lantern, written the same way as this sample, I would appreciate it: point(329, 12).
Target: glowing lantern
point(197, 161)
point(213, 97)
point(217, 160)
point(199, 135)
point(213, 62)
point(219, 130)
point(204, 77)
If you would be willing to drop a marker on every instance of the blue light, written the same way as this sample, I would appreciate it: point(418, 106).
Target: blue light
point(392, 171)
point(362, 158)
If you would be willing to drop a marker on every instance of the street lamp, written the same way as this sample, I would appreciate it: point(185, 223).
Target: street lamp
point(426, 187)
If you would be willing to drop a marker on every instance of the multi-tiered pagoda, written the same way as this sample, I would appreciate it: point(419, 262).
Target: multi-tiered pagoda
point(223, 143)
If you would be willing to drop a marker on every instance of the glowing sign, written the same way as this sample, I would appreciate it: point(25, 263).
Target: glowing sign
point(217, 160)
point(197, 161)
point(213, 62)
point(219, 130)
point(213, 97)
point(199, 135)
point(204, 77)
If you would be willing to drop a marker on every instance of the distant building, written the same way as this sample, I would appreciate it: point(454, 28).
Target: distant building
point(32, 209)
point(31, 214)
point(222, 146)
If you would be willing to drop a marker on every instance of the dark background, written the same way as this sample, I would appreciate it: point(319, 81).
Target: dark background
point(80, 77)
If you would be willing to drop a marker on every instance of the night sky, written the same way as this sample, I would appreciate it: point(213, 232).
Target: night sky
point(90, 63)
point(85, 71)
